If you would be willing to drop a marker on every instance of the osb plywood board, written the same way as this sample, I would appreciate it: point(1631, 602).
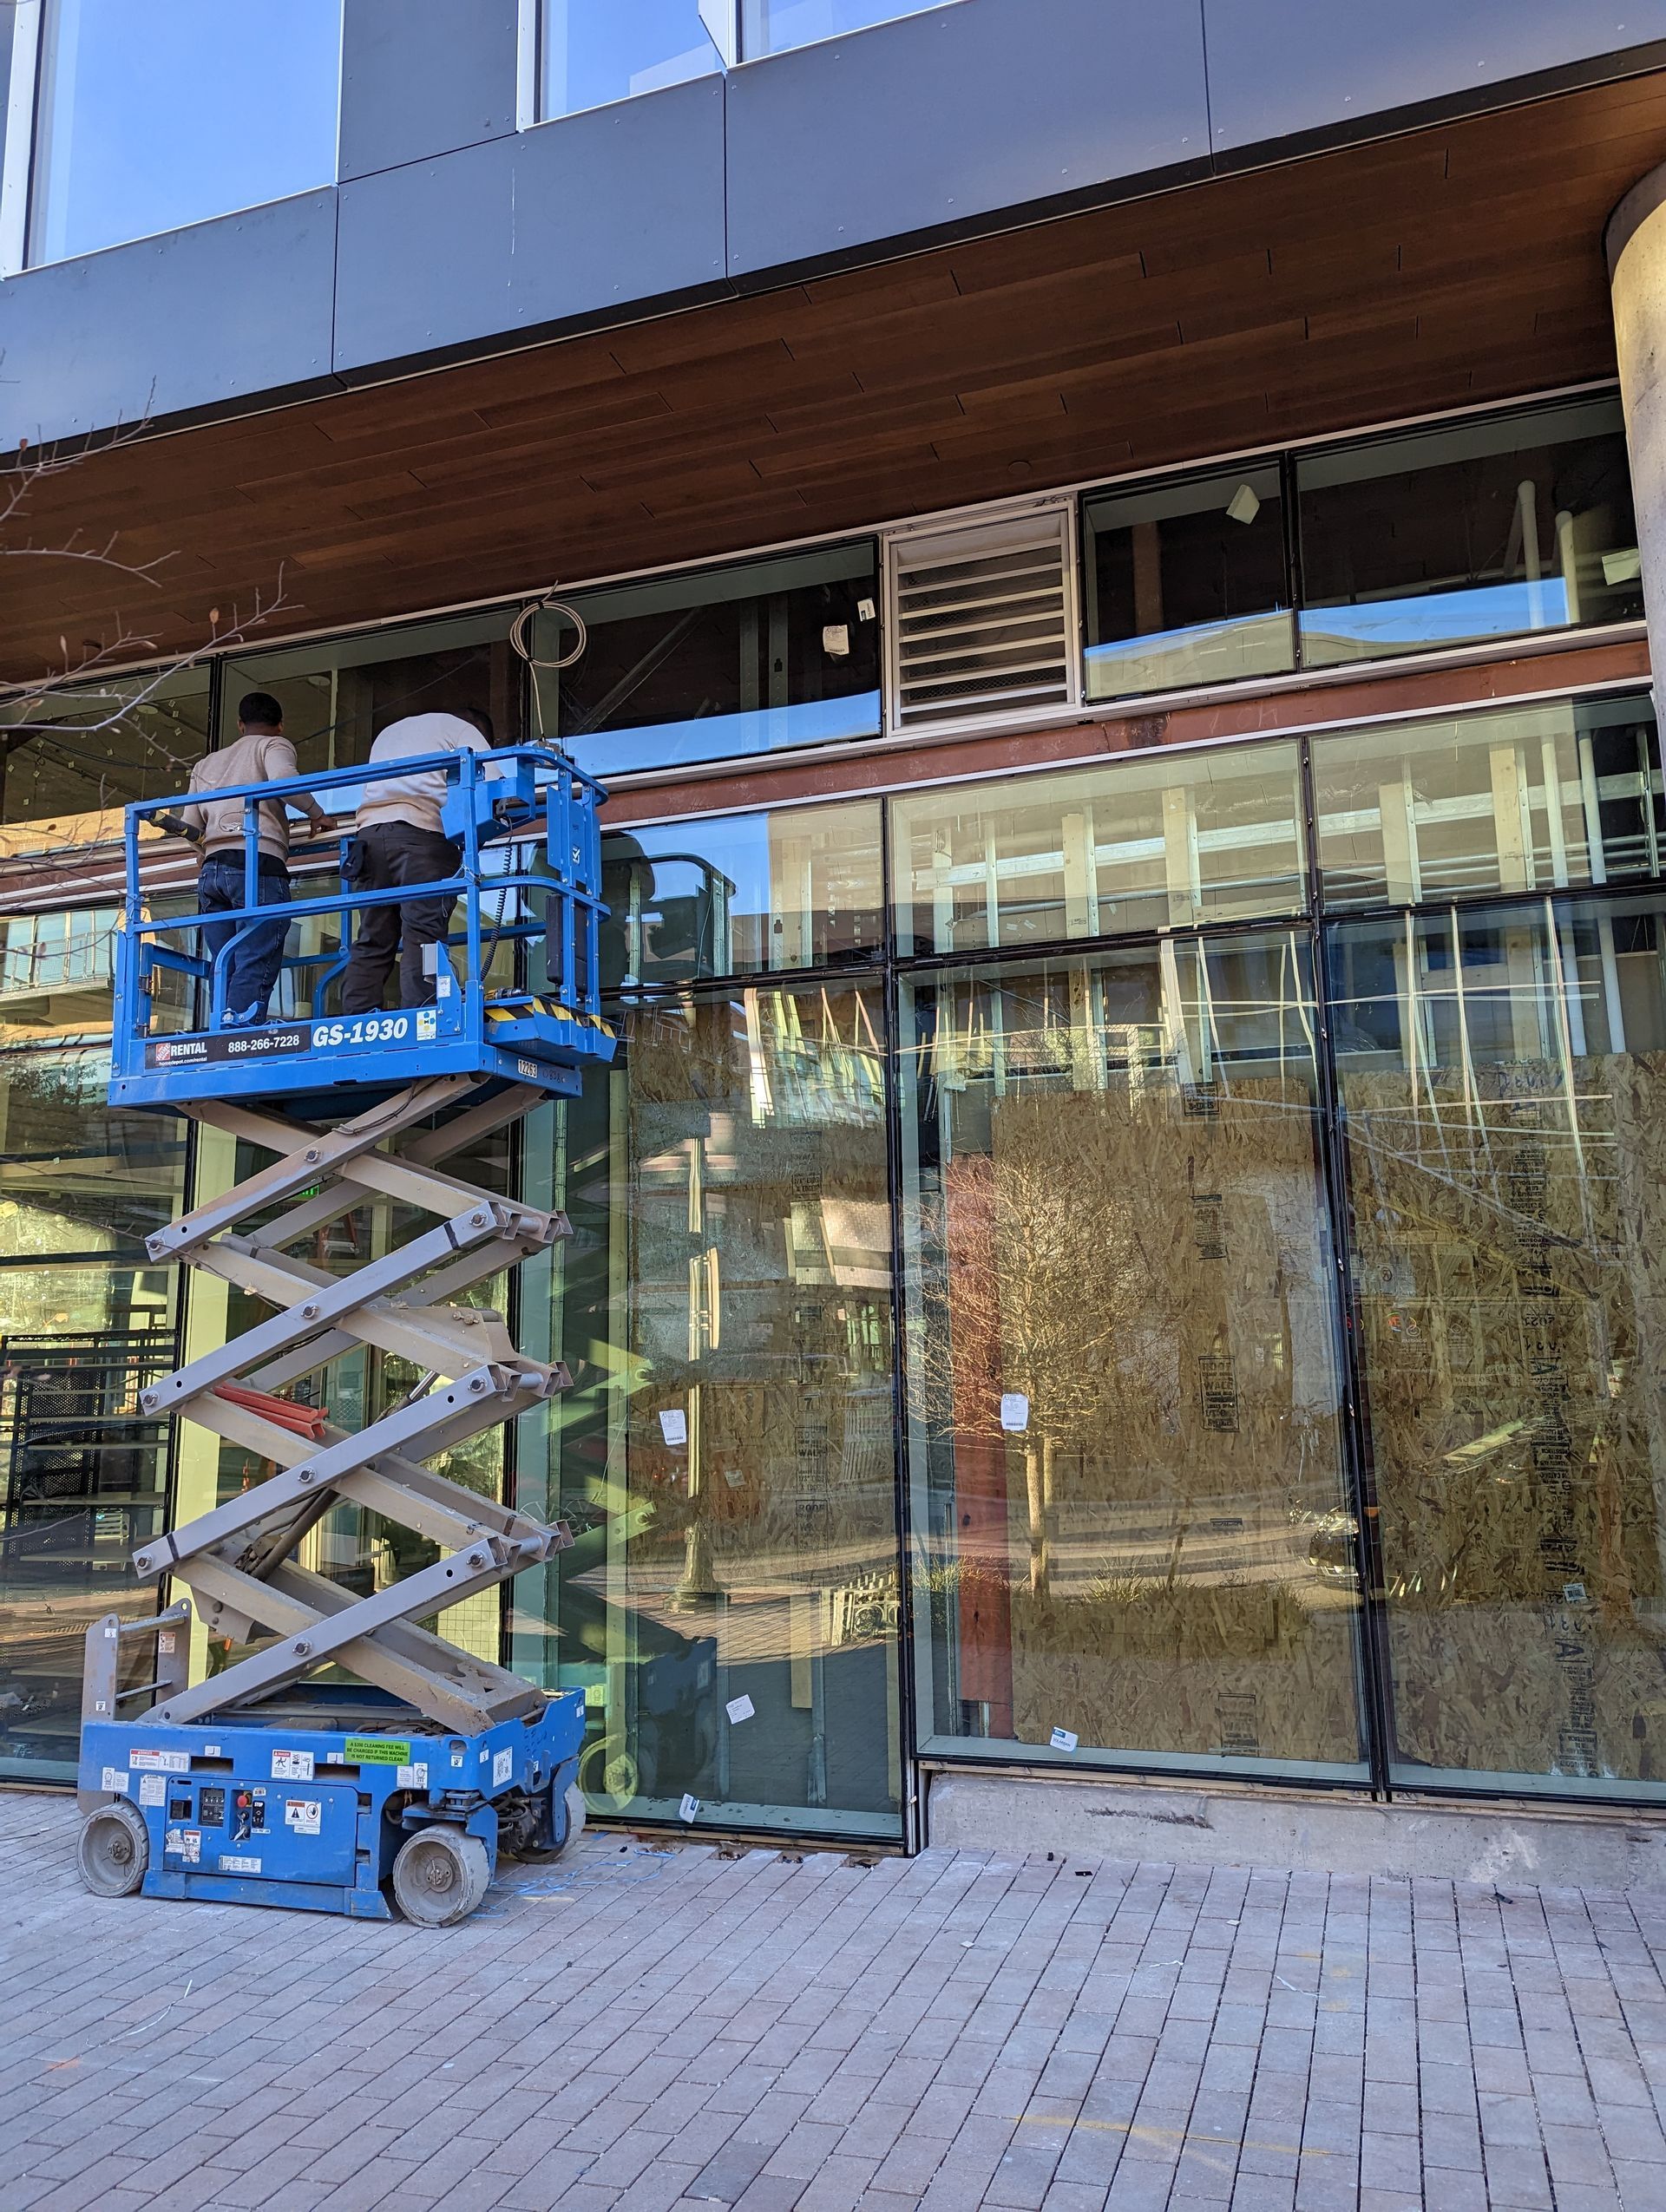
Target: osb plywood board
point(1156, 1277)
point(1511, 1233)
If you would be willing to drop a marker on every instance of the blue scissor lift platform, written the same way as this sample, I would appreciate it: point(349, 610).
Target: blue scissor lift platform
point(400, 1774)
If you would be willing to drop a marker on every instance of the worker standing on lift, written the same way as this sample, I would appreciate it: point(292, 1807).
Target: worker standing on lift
point(400, 842)
point(261, 754)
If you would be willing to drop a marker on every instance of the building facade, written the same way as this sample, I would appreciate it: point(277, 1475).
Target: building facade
point(1106, 557)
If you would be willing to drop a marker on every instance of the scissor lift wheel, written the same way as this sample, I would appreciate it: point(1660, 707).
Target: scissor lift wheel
point(114, 1851)
point(440, 1875)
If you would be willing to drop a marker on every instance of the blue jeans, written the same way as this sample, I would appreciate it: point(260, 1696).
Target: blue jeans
point(252, 970)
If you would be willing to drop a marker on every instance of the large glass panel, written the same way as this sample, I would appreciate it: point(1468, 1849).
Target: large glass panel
point(71, 760)
point(1481, 529)
point(86, 1323)
point(337, 697)
point(153, 113)
point(593, 51)
point(795, 888)
point(1187, 583)
point(1133, 1544)
point(1154, 841)
point(1503, 1077)
point(726, 1456)
point(771, 26)
point(734, 660)
point(1524, 799)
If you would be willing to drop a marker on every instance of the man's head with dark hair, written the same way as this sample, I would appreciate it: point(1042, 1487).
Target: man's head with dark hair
point(483, 722)
point(259, 710)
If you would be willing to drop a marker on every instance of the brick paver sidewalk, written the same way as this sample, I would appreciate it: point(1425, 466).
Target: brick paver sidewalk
point(653, 2029)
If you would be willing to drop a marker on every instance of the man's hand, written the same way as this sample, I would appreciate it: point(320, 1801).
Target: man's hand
point(177, 826)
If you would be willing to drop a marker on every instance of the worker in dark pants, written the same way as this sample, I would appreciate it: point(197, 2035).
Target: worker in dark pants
point(401, 843)
point(261, 754)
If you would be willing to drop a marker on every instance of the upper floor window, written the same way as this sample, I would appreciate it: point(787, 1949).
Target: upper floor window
point(771, 26)
point(591, 52)
point(769, 653)
point(1495, 526)
point(150, 115)
point(1489, 529)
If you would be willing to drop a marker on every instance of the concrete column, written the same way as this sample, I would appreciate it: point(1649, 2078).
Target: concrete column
point(1636, 264)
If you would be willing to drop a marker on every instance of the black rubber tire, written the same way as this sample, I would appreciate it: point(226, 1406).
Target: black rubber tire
point(113, 1850)
point(440, 1875)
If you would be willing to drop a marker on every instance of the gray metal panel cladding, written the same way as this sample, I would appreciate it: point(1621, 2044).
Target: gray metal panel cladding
point(1278, 68)
point(194, 319)
point(941, 118)
point(579, 217)
point(420, 77)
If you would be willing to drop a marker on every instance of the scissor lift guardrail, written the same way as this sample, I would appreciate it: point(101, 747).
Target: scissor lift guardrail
point(465, 1745)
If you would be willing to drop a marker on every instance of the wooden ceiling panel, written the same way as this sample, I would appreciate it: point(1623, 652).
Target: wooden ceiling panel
point(1456, 263)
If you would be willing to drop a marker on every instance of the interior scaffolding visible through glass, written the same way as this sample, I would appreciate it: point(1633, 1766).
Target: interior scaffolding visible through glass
point(1158, 841)
point(1133, 1539)
point(1501, 1077)
point(1494, 528)
point(726, 1455)
point(1526, 798)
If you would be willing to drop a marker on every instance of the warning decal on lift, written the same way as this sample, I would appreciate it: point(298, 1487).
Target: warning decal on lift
point(160, 1762)
point(292, 1766)
point(229, 1865)
point(303, 1815)
point(185, 1843)
point(379, 1751)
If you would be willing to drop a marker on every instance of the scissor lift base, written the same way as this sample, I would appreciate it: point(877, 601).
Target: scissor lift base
point(253, 1810)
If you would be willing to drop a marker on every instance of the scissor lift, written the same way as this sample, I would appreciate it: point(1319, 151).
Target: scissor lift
point(263, 1784)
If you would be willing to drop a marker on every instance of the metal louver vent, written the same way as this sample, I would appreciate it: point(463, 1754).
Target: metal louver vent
point(981, 620)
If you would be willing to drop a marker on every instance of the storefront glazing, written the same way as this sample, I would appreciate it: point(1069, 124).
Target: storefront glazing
point(1196, 1212)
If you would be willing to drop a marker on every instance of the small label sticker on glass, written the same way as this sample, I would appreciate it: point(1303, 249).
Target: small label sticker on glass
point(1014, 1412)
point(689, 1810)
point(674, 1426)
point(835, 640)
point(740, 1709)
point(1062, 1739)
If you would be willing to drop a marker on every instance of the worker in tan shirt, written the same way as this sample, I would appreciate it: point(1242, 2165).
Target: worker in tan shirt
point(261, 754)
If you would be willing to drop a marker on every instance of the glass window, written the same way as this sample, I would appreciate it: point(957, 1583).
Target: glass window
point(704, 667)
point(1500, 1077)
point(771, 26)
point(337, 698)
point(726, 1456)
point(153, 113)
point(797, 887)
point(593, 51)
point(71, 760)
point(1483, 529)
point(1155, 841)
point(86, 1323)
point(1528, 798)
point(1187, 583)
point(1122, 1389)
